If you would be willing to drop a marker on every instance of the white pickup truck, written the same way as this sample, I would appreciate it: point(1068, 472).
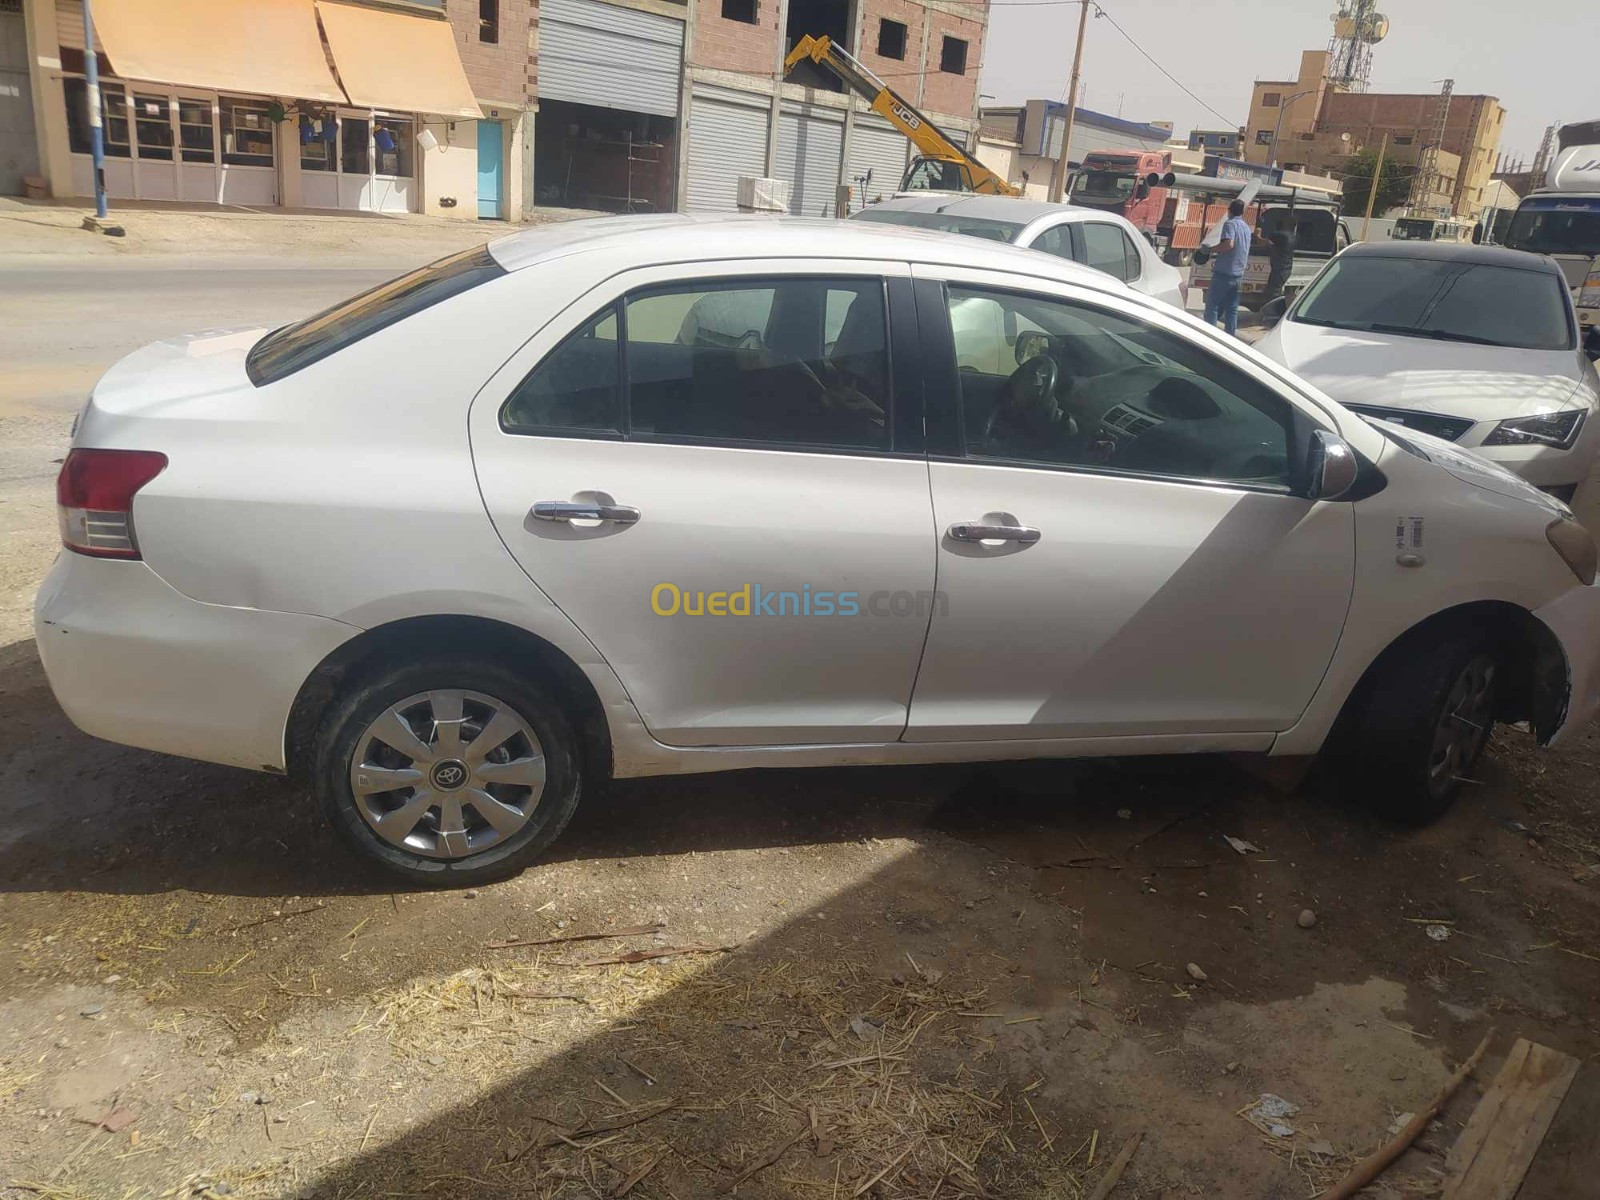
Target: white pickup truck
point(1320, 233)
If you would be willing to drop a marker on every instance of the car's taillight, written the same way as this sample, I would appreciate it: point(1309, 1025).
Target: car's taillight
point(95, 493)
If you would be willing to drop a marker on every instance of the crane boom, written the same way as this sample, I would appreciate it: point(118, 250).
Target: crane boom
point(932, 142)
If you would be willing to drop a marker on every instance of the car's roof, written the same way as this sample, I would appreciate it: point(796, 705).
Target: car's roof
point(1493, 256)
point(681, 237)
point(991, 208)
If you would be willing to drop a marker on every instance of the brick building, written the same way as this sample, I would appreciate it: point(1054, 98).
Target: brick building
point(498, 43)
point(1311, 124)
point(746, 119)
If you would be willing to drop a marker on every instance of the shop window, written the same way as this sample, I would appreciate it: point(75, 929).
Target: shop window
point(194, 131)
point(114, 117)
point(353, 158)
point(317, 136)
point(1271, 99)
point(152, 126)
point(489, 21)
point(891, 39)
point(746, 11)
point(393, 141)
point(953, 56)
point(246, 132)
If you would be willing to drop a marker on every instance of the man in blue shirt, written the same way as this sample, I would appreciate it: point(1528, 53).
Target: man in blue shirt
point(1227, 271)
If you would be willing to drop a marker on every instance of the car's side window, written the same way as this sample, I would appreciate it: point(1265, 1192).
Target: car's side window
point(576, 390)
point(1106, 248)
point(1056, 240)
point(798, 362)
point(1044, 381)
point(801, 361)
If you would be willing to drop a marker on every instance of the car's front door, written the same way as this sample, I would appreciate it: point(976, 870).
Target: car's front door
point(1122, 550)
point(754, 483)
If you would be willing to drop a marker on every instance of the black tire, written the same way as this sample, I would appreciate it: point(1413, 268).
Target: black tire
point(369, 696)
point(1442, 682)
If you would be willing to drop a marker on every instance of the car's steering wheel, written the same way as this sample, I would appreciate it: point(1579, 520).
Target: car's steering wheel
point(1031, 388)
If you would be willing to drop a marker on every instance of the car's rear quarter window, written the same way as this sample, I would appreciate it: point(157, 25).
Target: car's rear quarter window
point(287, 350)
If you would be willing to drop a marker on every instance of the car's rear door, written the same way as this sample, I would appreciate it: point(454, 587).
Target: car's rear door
point(749, 435)
point(1146, 569)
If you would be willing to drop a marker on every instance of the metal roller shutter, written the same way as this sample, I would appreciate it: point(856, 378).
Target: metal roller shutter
point(19, 155)
point(876, 146)
point(810, 147)
point(727, 139)
point(600, 54)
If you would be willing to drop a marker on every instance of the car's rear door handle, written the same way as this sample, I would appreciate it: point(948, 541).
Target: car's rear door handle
point(968, 531)
point(584, 510)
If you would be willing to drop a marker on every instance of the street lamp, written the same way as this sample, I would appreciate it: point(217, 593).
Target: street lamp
point(1282, 107)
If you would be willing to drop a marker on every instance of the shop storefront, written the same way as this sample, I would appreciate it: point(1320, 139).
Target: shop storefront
point(234, 101)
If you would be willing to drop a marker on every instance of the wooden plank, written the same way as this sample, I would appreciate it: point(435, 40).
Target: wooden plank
point(1496, 1148)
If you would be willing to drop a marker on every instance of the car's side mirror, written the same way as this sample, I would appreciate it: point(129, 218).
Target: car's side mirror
point(1333, 466)
point(1591, 343)
point(1273, 310)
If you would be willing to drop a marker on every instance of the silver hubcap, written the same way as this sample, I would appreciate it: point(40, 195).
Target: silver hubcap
point(1464, 725)
point(446, 774)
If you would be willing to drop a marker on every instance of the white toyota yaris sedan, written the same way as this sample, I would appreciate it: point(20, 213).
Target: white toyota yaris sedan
point(649, 495)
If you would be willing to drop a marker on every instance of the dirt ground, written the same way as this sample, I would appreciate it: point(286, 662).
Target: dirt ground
point(929, 982)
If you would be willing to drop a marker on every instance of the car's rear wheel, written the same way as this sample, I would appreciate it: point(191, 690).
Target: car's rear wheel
point(452, 770)
point(1426, 718)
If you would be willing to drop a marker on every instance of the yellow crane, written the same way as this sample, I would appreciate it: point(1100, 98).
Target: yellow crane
point(941, 165)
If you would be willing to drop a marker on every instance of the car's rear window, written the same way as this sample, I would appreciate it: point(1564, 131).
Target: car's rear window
point(979, 227)
point(1447, 299)
point(287, 350)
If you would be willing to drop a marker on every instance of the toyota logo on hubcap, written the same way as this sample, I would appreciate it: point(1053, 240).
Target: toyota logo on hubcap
point(449, 775)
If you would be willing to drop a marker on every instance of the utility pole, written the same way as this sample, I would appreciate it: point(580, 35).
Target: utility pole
point(1058, 191)
point(97, 136)
point(1372, 192)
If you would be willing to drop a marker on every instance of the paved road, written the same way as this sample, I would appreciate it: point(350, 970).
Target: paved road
point(61, 326)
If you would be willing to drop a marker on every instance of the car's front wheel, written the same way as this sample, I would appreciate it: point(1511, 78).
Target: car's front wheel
point(451, 770)
point(1424, 722)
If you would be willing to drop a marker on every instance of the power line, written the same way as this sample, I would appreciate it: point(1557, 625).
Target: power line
point(1101, 12)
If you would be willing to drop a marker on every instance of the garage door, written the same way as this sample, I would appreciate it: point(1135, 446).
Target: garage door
point(594, 53)
point(810, 146)
point(875, 146)
point(19, 154)
point(727, 139)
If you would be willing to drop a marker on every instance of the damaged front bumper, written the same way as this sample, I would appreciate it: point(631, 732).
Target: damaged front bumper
point(1574, 619)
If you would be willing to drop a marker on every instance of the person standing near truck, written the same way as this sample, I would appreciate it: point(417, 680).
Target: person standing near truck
point(1227, 273)
point(1281, 243)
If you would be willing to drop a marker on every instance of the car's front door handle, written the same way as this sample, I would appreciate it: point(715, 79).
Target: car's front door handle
point(584, 510)
point(969, 531)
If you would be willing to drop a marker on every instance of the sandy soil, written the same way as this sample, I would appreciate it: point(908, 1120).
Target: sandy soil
point(899, 983)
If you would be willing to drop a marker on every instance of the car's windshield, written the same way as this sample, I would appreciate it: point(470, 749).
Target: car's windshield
point(1445, 299)
point(287, 350)
point(1557, 227)
point(980, 227)
point(1413, 229)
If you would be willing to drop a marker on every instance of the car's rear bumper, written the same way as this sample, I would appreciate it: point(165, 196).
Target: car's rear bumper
point(132, 660)
point(1574, 618)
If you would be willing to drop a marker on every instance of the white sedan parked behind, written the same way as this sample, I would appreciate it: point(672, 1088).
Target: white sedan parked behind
point(1473, 344)
point(1089, 236)
point(649, 495)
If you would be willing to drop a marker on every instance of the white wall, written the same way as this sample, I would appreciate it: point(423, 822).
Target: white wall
point(450, 169)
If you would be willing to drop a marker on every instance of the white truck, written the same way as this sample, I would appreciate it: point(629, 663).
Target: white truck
point(1562, 218)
